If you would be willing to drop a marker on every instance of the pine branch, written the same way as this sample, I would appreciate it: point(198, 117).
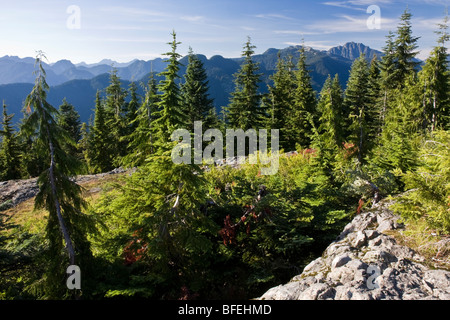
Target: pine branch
point(62, 225)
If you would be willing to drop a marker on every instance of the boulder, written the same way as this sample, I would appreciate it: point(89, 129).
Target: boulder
point(364, 263)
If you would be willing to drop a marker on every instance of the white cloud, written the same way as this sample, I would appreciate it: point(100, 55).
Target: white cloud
point(356, 4)
point(342, 4)
point(129, 40)
point(369, 2)
point(318, 45)
point(248, 28)
point(133, 11)
point(193, 18)
point(346, 23)
point(297, 32)
point(118, 27)
point(424, 53)
point(426, 24)
point(273, 16)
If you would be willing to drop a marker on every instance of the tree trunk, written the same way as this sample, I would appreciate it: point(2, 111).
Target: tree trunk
point(62, 225)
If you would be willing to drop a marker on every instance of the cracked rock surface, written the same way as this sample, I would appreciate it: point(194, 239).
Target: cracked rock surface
point(366, 264)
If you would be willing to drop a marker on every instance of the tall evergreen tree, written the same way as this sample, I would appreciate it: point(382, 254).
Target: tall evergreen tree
point(141, 144)
point(115, 96)
point(162, 199)
point(331, 122)
point(405, 44)
point(399, 139)
point(401, 113)
point(69, 120)
point(131, 109)
point(169, 116)
point(374, 91)
point(387, 67)
point(357, 103)
point(10, 155)
point(281, 97)
point(244, 110)
point(196, 101)
point(328, 137)
point(84, 145)
point(58, 194)
point(435, 81)
point(101, 145)
point(303, 109)
point(116, 116)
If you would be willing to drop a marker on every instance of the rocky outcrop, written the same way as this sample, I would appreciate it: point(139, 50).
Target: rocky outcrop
point(13, 192)
point(365, 263)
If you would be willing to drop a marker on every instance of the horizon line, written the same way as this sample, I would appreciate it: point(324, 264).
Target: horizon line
point(161, 56)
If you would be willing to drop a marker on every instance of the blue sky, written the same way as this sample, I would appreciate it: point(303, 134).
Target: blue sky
point(126, 30)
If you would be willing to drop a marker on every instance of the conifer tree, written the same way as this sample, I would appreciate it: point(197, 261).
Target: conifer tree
point(131, 108)
point(387, 67)
point(10, 155)
point(196, 101)
point(162, 200)
point(281, 98)
point(101, 146)
point(169, 116)
point(244, 110)
point(375, 97)
point(398, 145)
point(141, 144)
point(116, 116)
point(32, 160)
point(330, 107)
point(115, 96)
point(328, 136)
point(435, 81)
point(357, 104)
point(84, 148)
point(58, 194)
point(303, 107)
point(69, 120)
point(405, 44)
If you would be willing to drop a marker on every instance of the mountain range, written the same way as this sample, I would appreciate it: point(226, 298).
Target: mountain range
point(78, 83)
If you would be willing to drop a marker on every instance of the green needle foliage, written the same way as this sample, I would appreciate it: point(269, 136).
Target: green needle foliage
point(58, 193)
point(303, 107)
point(188, 231)
point(244, 110)
point(10, 153)
point(196, 102)
point(429, 183)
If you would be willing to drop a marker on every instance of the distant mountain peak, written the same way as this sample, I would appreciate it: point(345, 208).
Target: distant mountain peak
point(352, 51)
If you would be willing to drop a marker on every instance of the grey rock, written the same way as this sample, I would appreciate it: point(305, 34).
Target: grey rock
point(365, 264)
point(371, 234)
point(318, 291)
point(17, 191)
point(339, 261)
point(360, 239)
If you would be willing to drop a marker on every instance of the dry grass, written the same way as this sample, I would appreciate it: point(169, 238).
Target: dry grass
point(433, 247)
point(34, 221)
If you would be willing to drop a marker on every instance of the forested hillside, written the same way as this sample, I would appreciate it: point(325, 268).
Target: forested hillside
point(166, 230)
